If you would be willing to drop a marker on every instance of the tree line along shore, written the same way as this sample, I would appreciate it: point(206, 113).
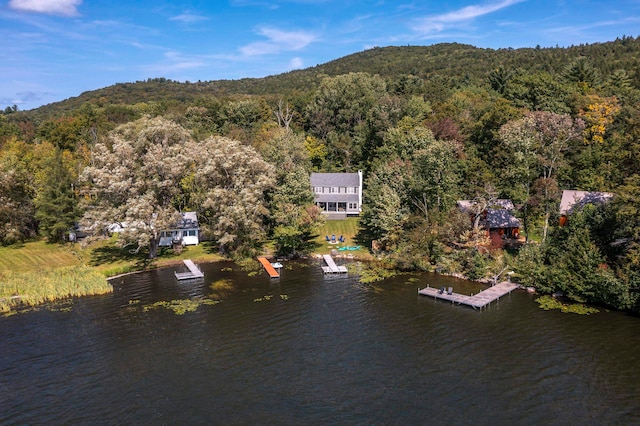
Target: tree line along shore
point(428, 127)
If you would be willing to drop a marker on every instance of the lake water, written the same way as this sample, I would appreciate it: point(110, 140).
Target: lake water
point(305, 349)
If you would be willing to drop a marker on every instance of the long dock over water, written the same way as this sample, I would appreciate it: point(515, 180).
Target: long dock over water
point(269, 268)
point(477, 301)
point(331, 267)
point(194, 271)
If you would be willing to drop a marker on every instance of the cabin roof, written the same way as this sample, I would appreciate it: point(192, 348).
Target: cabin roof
point(189, 221)
point(335, 179)
point(572, 199)
point(501, 218)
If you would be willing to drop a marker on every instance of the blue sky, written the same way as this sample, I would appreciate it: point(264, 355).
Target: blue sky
point(55, 49)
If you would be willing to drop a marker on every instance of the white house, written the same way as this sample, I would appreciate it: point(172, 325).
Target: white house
point(338, 194)
point(186, 232)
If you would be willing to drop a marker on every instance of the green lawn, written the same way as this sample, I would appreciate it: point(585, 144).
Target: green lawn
point(36, 255)
point(109, 259)
point(348, 228)
point(102, 256)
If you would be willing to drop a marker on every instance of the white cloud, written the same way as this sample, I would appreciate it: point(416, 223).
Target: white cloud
point(295, 64)
point(188, 18)
point(176, 62)
point(179, 61)
point(278, 41)
point(50, 7)
point(437, 23)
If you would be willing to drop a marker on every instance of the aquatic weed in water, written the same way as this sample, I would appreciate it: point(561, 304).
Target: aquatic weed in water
point(548, 303)
point(180, 306)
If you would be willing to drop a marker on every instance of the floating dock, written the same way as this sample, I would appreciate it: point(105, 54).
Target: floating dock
point(269, 268)
point(331, 267)
point(477, 301)
point(194, 271)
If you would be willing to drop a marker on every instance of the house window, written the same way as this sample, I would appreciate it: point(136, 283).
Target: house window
point(353, 206)
point(351, 190)
point(334, 190)
point(317, 190)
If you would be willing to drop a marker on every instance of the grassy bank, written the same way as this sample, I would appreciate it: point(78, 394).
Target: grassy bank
point(47, 285)
point(36, 272)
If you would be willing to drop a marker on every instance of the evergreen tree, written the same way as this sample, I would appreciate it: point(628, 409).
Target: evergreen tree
point(582, 72)
point(499, 79)
point(56, 203)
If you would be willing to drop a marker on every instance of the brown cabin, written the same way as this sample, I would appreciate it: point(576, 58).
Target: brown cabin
point(498, 219)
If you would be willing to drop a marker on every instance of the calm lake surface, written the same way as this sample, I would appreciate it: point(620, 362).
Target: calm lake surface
point(320, 351)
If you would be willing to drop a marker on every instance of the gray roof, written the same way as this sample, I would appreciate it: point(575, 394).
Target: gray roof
point(335, 179)
point(577, 199)
point(189, 221)
point(501, 219)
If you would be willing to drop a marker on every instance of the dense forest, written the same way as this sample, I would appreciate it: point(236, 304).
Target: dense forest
point(428, 126)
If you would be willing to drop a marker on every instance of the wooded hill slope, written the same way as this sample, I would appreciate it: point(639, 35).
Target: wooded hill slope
point(451, 64)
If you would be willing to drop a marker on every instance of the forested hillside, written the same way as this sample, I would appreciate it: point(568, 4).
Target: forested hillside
point(458, 64)
point(428, 126)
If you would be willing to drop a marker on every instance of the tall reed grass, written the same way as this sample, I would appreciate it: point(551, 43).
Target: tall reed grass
point(42, 286)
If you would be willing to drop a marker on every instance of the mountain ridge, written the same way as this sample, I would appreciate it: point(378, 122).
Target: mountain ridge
point(447, 61)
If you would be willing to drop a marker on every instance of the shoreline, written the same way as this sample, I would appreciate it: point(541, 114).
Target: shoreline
point(201, 258)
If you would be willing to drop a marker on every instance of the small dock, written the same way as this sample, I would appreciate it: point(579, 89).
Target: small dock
point(331, 267)
point(477, 301)
point(194, 271)
point(269, 268)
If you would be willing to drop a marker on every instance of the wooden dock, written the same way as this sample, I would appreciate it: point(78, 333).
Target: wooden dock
point(194, 271)
point(269, 268)
point(331, 267)
point(477, 301)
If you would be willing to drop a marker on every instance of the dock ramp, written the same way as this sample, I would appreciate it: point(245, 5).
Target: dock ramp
point(194, 271)
point(331, 267)
point(269, 267)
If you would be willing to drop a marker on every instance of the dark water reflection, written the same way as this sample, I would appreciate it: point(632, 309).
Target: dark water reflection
point(320, 351)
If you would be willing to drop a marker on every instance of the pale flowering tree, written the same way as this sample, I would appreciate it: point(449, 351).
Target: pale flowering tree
point(150, 170)
point(230, 180)
point(133, 180)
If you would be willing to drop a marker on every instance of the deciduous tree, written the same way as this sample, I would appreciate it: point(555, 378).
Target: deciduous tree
point(134, 179)
point(344, 113)
point(230, 180)
point(536, 145)
point(17, 221)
